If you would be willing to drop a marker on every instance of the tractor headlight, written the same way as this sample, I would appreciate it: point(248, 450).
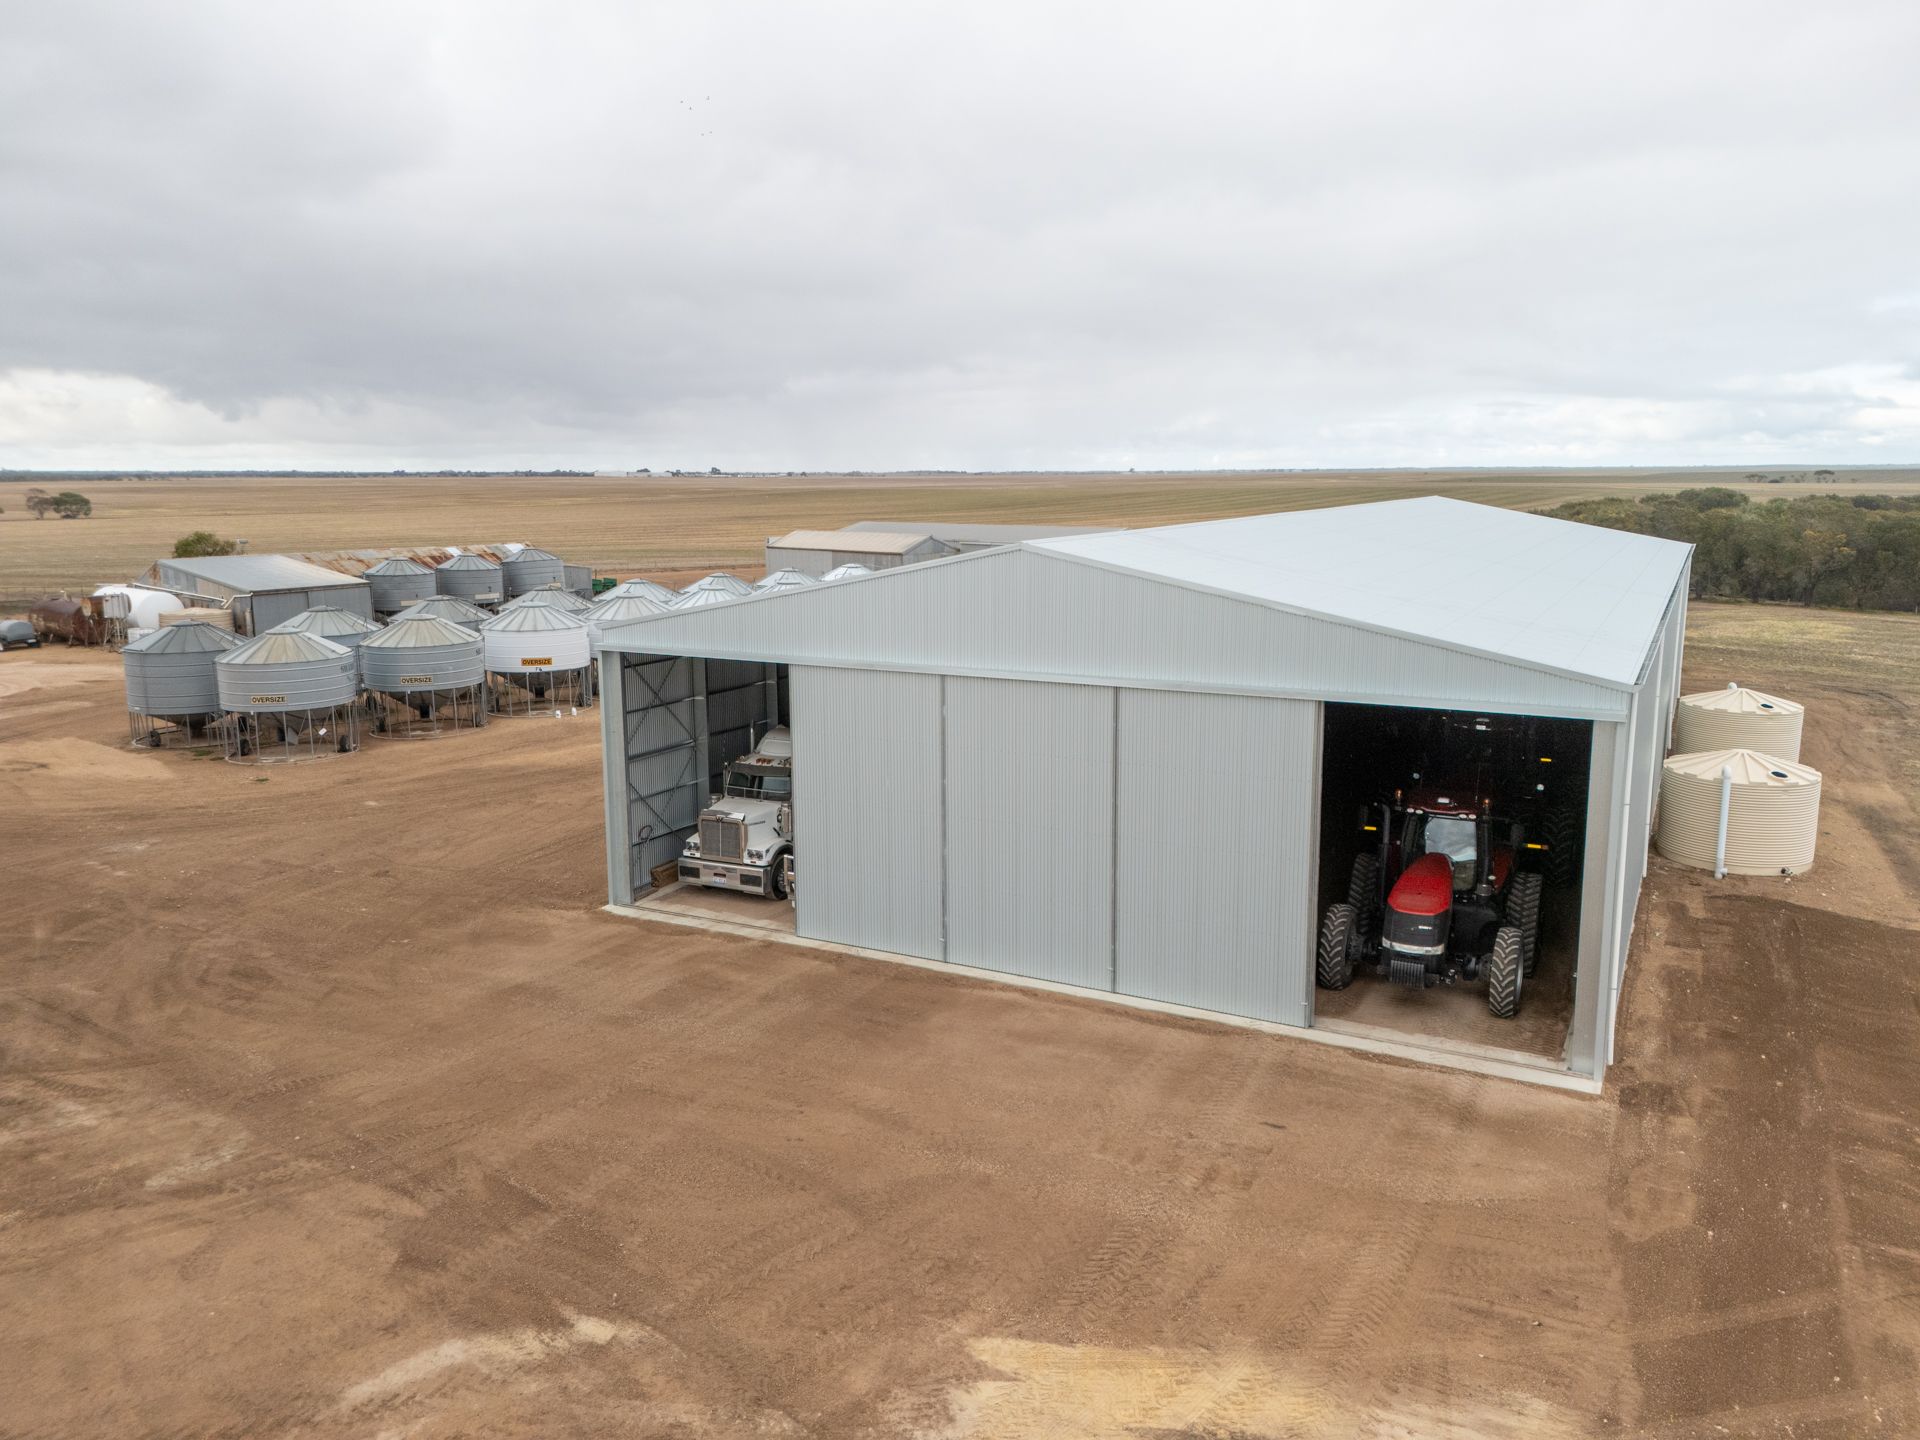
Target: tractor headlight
point(693, 848)
point(756, 857)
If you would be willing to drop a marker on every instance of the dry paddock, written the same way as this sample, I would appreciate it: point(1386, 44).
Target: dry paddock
point(333, 1105)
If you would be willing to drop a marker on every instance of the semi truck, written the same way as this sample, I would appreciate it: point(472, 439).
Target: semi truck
point(745, 835)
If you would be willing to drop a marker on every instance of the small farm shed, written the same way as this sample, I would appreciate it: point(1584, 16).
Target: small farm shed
point(262, 591)
point(1108, 761)
point(815, 552)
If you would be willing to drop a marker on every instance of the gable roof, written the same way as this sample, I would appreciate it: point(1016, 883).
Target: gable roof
point(1553, 623)
point(255, 573)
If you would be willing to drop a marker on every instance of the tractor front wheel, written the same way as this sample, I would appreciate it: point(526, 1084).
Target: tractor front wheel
point(1504, 970)
point(1339, 938)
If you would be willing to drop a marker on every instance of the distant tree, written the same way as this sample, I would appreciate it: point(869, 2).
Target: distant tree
point(1823, 474)
point(713, 470)
point(202, 542)
point(72, 505)
point(39, 502)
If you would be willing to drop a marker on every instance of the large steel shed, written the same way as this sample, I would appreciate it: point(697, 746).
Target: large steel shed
point(262, 591)
point(1096, 760)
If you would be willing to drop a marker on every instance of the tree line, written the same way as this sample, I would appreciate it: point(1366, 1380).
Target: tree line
point(1859, 552)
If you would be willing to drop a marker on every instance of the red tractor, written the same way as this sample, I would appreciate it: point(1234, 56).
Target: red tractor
point(1438, 897)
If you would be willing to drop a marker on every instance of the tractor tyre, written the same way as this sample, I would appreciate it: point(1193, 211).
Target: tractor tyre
point(1363, 891)
point(1339, 938)
point(777, 877)
point(1504, 970)
point(1523, 913)
point(1562, 827)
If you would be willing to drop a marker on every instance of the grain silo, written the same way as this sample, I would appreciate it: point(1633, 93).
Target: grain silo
point(539, 660)
point(1737, 718)
point(529, 568)
point(721, 582)
point(423, 677)
point(330, 622)
point(550, 595)
point(1738, 812)
point(618, 610)
point(398, 583)
point(447, 607)
point(846, 572)
point(784, 580)
point(652, 589)
point(693, 599)
point(172, 692)
point(472, 578)
point(288, 695)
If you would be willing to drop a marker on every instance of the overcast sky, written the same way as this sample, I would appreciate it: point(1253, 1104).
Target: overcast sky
point(803, 236)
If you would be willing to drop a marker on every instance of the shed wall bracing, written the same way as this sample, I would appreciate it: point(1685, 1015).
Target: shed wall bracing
point(742, 705)
point(1104, 626)
point(1217, 818)
point(867, 808)
point(1029, 829)
point(662, 735)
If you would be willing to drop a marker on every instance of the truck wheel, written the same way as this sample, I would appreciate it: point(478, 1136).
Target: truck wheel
point(777, 878)
point(1523, 913)
point(1363, 891)
point(1504, 968)
point(1338, 935)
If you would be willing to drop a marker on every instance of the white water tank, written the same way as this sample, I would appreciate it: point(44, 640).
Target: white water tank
point(1773, 812)
point(1738, 719)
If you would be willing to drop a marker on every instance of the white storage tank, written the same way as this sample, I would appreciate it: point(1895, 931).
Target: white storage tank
point(529, 568)
point(472, 578)
point(539, 659)
point(343, 627)
point(1773, 811)
point(1737, 718)
point(145, 606)
point(398, 583)
point(846, 572)
point(695, 599)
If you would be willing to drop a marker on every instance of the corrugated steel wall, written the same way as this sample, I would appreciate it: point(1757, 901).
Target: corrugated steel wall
point(1029, 829)
point(867, 808)
point(1218, 822)
point(1102, 626)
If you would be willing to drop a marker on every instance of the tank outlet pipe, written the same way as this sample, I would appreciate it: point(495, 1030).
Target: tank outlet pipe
point(1720, 840)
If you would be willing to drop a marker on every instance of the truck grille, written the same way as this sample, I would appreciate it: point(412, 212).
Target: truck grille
point(722, 839)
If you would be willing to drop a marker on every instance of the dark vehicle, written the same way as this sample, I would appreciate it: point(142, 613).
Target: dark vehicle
point(1449, 881)
point(17, 634)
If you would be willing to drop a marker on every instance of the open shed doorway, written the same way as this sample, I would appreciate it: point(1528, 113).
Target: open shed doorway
point(1502, 796)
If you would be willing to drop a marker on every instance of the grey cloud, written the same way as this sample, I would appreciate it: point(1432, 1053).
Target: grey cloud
point(806, 236)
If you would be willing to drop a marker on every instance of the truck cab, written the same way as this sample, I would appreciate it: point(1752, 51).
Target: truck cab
point(745, 835)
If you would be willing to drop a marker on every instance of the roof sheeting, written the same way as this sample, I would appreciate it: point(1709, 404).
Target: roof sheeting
point(282, 647)
point(1026, 613)
point(1568, 598)
point(865, 542)
point(256, 573)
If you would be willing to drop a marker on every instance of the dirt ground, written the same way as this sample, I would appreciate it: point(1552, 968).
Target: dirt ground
point(680, 528)
point(331, 1104)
